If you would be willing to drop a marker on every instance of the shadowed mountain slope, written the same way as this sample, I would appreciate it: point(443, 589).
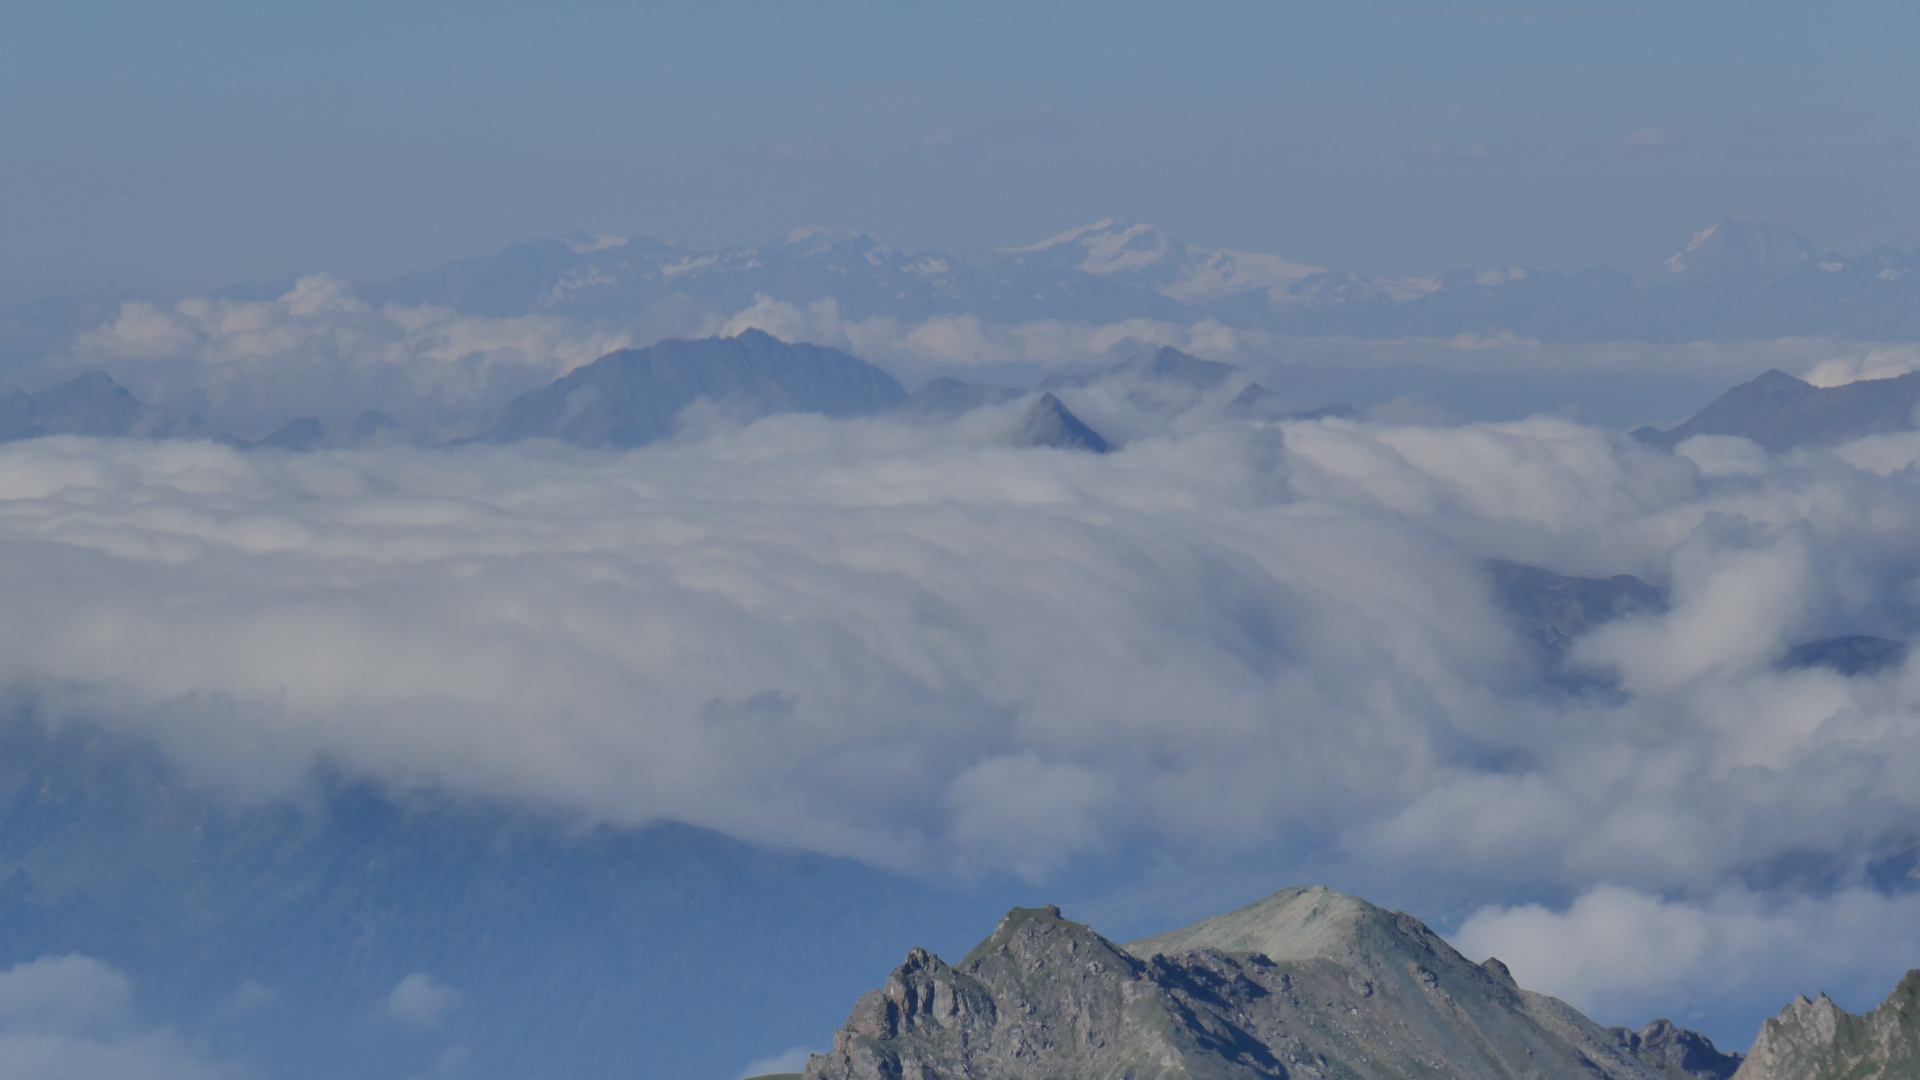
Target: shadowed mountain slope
point(1048, 423)
point(1780, 412)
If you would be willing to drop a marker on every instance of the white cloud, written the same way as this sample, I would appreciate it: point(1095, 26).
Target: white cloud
point(1017, 811)
point(1624, 955)
point(787, 1061)
point(73, 1018)
point(420, 1000)
point(320, 349)
point(1879, 362)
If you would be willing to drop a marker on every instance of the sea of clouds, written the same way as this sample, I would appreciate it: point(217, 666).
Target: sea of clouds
point(924, 649)
point(1228, 644)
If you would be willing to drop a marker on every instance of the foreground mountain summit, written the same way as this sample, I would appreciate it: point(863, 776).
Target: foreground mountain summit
point(1307, 983)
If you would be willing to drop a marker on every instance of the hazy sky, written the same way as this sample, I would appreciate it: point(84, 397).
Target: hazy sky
point(182, 146)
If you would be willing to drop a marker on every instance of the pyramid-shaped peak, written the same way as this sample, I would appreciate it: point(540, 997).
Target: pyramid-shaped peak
point(1048, 422)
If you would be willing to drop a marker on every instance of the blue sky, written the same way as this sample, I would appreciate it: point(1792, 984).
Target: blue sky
point(183, 146)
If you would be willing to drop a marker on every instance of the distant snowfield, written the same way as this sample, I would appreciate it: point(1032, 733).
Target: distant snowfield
point(918, 647)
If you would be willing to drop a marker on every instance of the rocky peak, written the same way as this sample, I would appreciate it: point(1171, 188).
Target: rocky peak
point(1306, 984)
point(1676, 1053)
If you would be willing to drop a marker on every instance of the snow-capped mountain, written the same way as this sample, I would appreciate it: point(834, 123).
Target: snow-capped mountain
point(1107, 270)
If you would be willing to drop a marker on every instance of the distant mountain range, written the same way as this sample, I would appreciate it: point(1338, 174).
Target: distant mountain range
point(1737, 280)
point(632, 397)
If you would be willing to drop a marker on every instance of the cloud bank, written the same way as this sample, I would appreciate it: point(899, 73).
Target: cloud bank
point(800, 630)
point(1620, 952)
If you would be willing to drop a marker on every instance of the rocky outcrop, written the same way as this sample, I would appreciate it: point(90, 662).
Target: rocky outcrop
point(1676, 1053)
point(1042, 998)
point(1307, 984)
point(1818, 1040)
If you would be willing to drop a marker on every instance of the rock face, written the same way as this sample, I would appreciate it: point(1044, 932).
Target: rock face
point(1307, 983)
point(1781, 412)
point(1818, 1040)
point(1676, 1053)
point(1553, 609)
point(634, 396)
